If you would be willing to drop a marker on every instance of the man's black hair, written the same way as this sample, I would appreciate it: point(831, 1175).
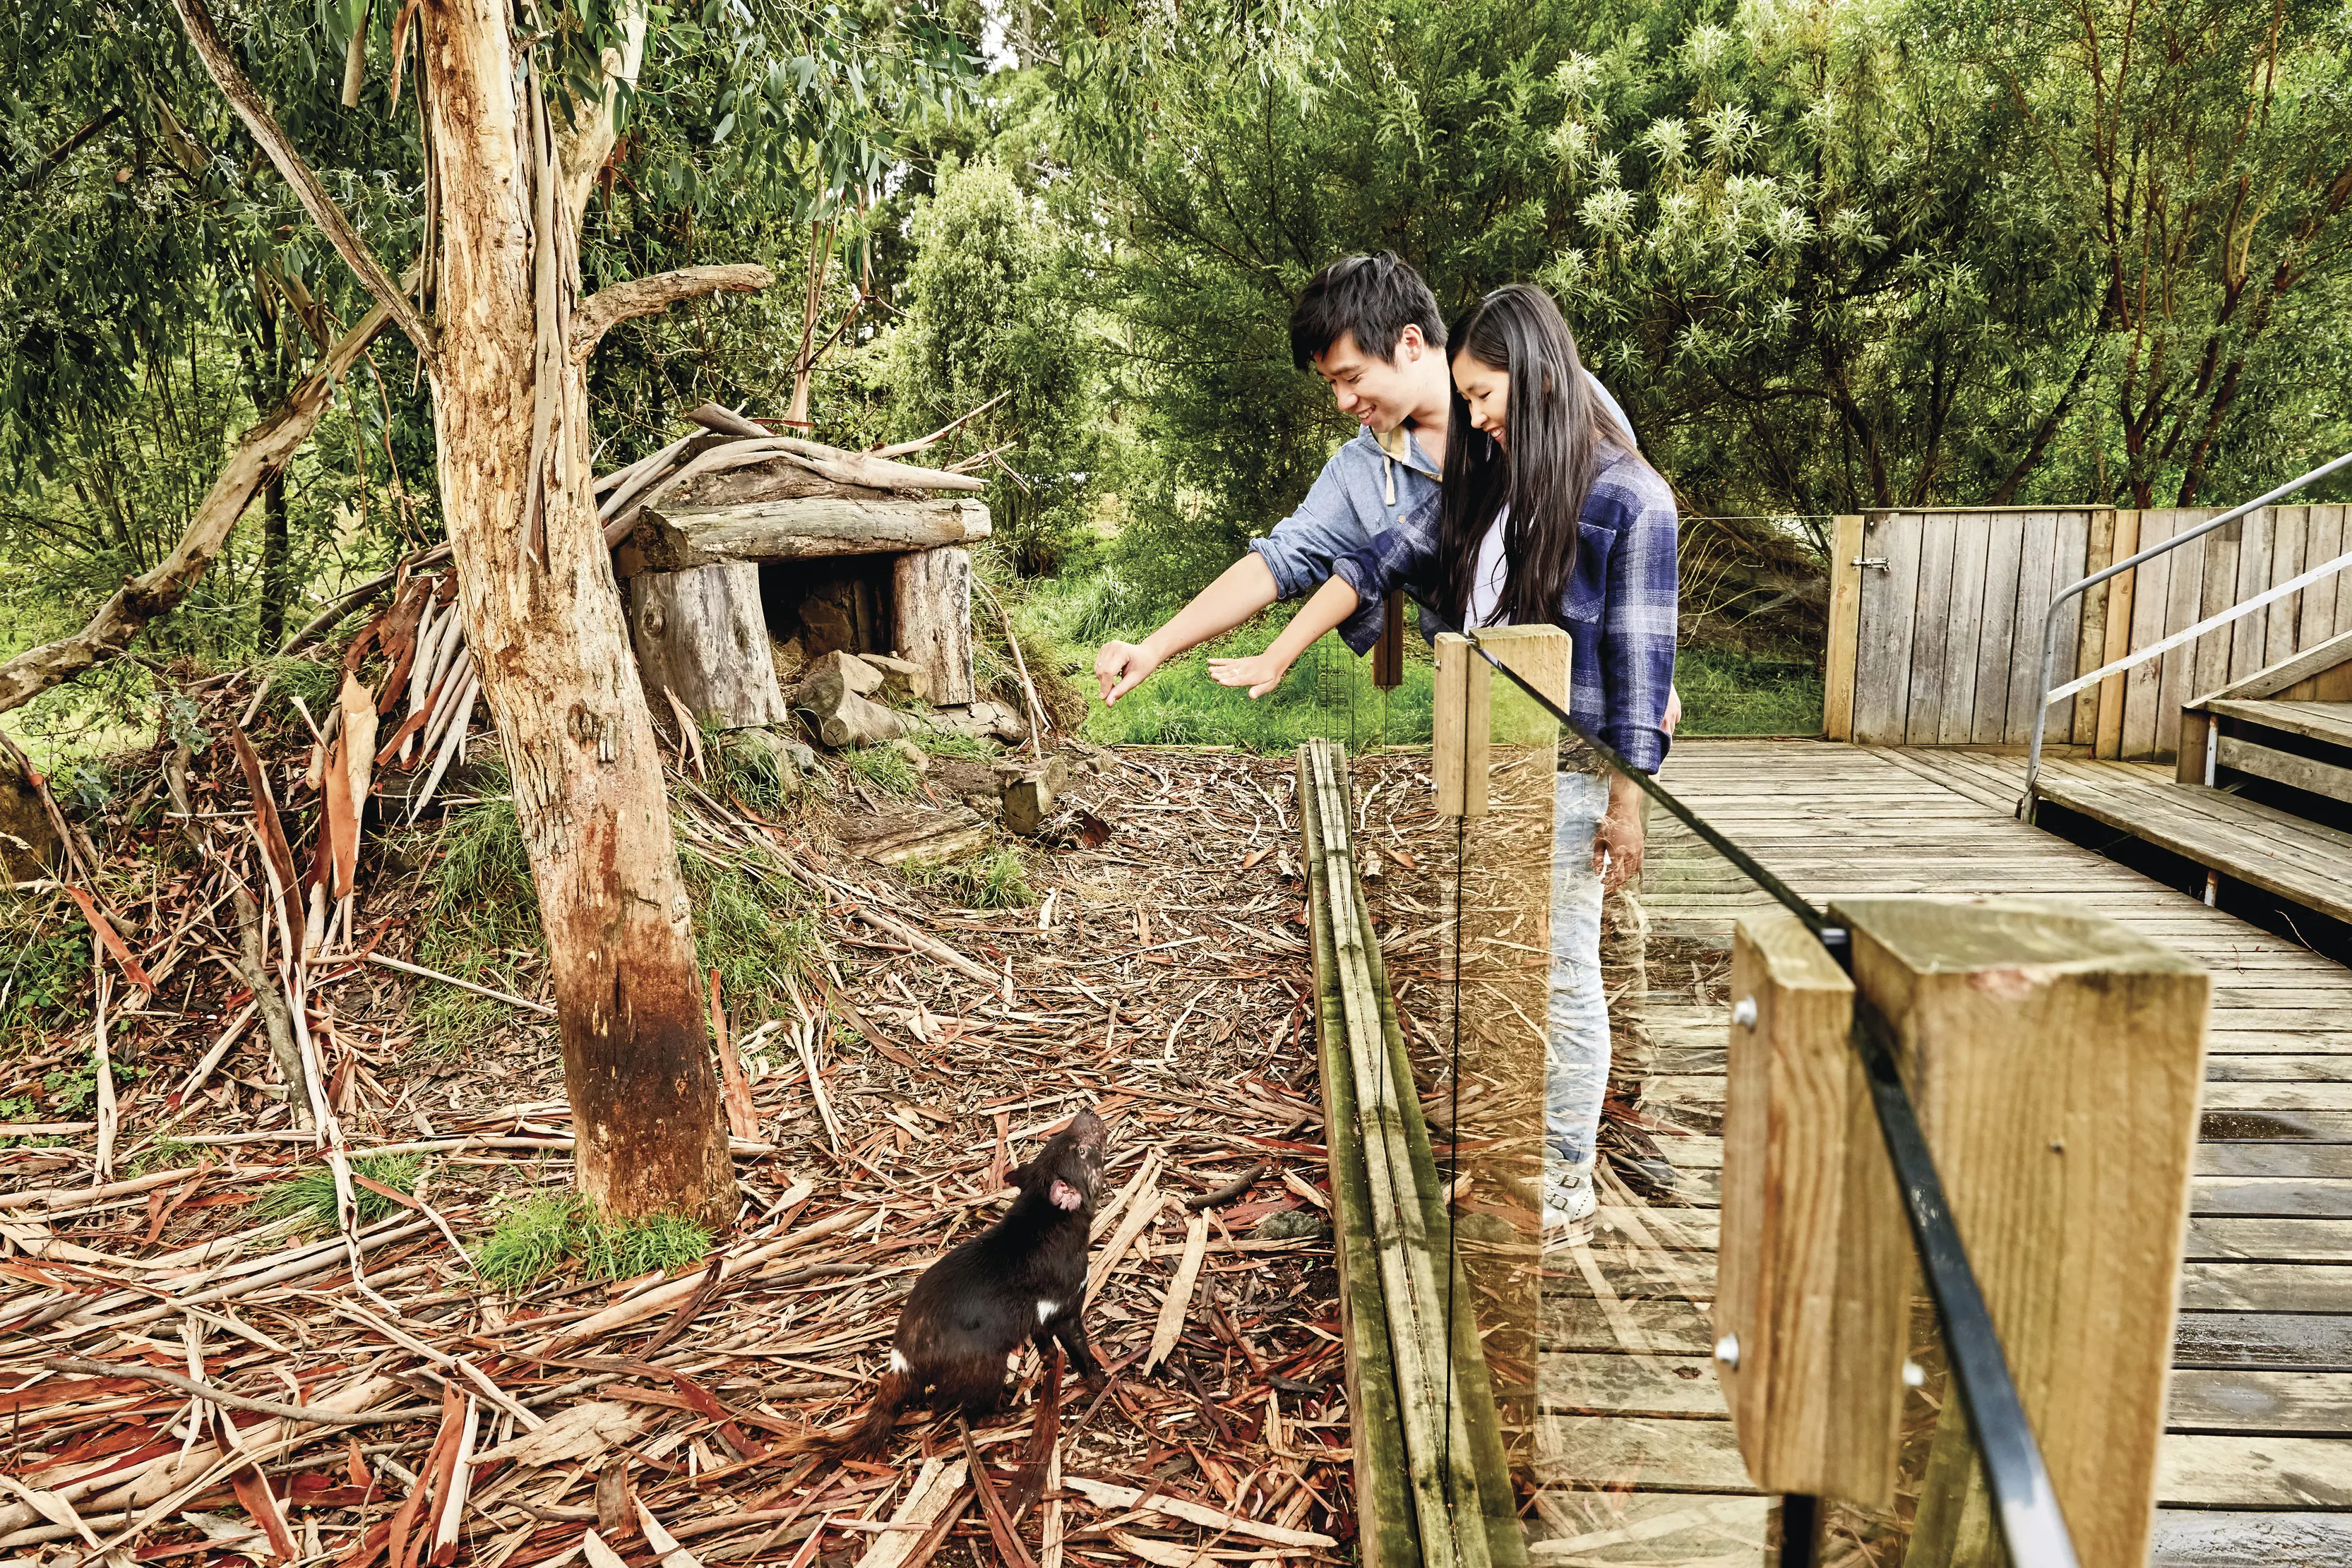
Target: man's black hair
point(1372, 297)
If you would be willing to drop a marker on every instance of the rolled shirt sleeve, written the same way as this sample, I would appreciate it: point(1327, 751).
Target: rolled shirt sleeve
point(1300, 548)
point(1638, 620)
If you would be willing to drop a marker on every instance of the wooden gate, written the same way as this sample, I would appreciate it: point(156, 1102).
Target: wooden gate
point(1936, 619)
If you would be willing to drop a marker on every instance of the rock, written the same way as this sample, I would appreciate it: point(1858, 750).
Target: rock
point(778, 752)
point(1291, 1225)
point(917, 758)
point(901, 679)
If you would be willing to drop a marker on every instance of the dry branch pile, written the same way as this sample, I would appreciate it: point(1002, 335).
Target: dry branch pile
point(155, 1329)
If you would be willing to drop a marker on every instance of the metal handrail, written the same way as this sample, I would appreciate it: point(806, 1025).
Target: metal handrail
point(2058, 601)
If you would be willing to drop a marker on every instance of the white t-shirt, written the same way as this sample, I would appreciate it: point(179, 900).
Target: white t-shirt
point(1490, 574)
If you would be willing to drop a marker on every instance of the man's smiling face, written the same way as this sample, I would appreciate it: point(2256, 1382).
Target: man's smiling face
point(1377, 393)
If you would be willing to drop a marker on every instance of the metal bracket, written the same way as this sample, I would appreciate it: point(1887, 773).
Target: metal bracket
point(1872, 563)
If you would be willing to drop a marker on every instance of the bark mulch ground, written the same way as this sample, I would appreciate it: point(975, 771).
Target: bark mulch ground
point(154, 1325)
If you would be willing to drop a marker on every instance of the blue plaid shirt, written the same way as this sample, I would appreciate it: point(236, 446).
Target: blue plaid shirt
point(1618, 605)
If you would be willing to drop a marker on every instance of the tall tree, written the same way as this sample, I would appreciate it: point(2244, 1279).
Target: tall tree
point(520, 111)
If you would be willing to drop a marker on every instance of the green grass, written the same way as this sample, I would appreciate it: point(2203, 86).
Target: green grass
point(996, 880)
point(45, 948)
point(750, 927)
point(481, 918)
point(747, 769)
point(884, 768)
point(954, 743)
point(1730, 693)
point(549, 1229)
point(308, 1195)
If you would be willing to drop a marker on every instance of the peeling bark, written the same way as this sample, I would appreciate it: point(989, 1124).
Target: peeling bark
point(608, 307)
point(551, 645)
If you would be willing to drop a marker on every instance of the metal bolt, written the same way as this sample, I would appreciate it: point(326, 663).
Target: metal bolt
point(1727, 1350)
point(1743, 1012)
point(1914, 1376)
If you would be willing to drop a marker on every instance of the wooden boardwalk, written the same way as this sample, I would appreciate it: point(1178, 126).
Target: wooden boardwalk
point(1636, 1447)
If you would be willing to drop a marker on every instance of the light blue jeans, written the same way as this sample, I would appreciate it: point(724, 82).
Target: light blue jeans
point(1577, 1017)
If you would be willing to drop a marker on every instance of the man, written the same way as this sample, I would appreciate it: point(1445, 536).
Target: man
point(1370, 327)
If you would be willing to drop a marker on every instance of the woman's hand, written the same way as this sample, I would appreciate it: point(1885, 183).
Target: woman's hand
point(1618, 842)
point(1261, 672)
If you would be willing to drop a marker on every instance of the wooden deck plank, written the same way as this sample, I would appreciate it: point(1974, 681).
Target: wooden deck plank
point(2262, 1389)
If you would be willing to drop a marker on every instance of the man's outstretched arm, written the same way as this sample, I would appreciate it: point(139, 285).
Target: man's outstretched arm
point(1242, 589)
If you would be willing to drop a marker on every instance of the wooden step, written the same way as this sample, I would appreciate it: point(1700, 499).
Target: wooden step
point(2282, 854)
point(2329, 722)
point(2298, 772)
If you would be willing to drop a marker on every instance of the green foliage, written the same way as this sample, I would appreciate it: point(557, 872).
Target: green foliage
point(308, 1195)
point(47, 949)
point(996, 880)
point(750, 770)
point(989, 317)
point(548, 1229)
point(480, 921)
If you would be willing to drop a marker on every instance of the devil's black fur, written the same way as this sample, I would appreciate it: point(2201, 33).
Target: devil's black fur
point(1024, 1278)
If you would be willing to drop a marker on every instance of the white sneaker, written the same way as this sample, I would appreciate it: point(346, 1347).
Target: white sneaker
point(1568, 1202)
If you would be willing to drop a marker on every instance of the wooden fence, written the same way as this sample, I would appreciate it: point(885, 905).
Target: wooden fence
point(1936, 619)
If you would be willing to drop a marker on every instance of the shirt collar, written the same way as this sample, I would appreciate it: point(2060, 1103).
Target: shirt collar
point(1399, 445)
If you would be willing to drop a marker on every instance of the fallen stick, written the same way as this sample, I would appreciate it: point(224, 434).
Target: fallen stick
point(506, 997)
point(890, 925)
point(1230, 1191)
point(1103, 1494)
point(214, 1394)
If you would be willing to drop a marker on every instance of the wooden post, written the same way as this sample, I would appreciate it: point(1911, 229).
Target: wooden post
point(1812, 1283)
point(2091, 636)
point(2055, 1060)
point(1845, 628)
point(930, 615)
point(2116, 639)
point(701, 633)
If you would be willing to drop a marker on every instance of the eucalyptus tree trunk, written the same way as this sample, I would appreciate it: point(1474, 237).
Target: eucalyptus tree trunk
point(545, 624)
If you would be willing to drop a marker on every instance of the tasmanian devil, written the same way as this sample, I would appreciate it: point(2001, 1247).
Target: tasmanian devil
point(1024, 1278)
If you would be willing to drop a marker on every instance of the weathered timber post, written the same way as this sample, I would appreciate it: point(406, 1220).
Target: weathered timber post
point(2056, 1058)
point(2053, 1058)
point(1814, 1269)
point(1493, 757)
point(702, 634)
point(930, 615)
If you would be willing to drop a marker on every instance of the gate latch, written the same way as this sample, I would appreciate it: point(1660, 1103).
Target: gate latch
point(1872, 562)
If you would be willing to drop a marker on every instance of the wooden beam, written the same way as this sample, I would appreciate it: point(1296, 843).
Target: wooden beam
point(2116, 638)
point(2288, 672)
point(1812, 1282)
point(673, 539)
point(2056, 1059)
point(1440, 1447)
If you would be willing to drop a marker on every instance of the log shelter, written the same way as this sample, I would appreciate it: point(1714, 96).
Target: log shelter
point(735, 563)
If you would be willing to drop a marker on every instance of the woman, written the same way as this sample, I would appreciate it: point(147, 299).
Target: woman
point(1546, 515)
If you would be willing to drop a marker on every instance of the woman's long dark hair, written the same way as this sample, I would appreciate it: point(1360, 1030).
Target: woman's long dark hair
point(1561, 437)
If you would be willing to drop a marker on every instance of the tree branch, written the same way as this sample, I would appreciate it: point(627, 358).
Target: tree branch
point(265, 130)
point(263, 452)
point(608, 307)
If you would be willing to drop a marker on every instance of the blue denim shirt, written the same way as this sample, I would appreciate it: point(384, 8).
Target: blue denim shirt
point(1618, 605)
point(1368, 486)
